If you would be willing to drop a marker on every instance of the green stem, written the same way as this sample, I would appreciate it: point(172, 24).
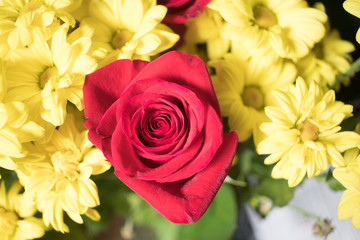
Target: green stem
point(305, 213)
point(354, 68)
point(234, 182)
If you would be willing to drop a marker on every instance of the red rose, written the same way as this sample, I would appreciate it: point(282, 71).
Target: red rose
point(159, 125)
point(179, 11)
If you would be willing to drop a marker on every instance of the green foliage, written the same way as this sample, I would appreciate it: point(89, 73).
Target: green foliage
point(218, 222)
point(329, 179)
point(276, 189)
point(252, 169)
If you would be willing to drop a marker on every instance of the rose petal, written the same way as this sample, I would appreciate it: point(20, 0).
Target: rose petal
point(104, 86)
point(180, 11)
point(184, 165)
point(187, 200)
point(160, 89)
point(184, 69)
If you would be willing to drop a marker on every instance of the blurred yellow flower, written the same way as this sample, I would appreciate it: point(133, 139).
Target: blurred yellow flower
point(353, 7)
point(128, 29)
point(16, 215)
point(349, 176)
point(61, 180)
point(244, 89)
point(56, 74)
point(303, 135)
point(290, 28)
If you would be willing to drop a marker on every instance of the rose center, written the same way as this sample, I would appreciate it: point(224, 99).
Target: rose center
point(264, 17)
point(8, 221)
point(252, 97)
point(120, 38)
point(66, 163)
point(46, 75)
point(308, 131)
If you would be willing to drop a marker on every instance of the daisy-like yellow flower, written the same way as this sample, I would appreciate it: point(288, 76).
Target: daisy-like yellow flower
point(128, 29)
point(244, 89)
point(21, 21)
point(353, 7)
point(206, 28)
point(16, 215)
point(51, 74)
point(61, 180)
point(15, 128)
point(303, 135)
point(329, 57)
point(290, 28)
point(349, 177)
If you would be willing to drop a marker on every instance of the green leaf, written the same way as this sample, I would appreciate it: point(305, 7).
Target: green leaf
point(276, 189)
point(219, 221)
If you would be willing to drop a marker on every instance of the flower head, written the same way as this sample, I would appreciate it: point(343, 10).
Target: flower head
point(61, 180)
point(128, 29)
point(244, 89)
point(16, 215)
point(290, 28)
point(21, 21)
point(15, 128)
point(56, 74)
point(303, 135)
point(329, 57)
point(349, 176)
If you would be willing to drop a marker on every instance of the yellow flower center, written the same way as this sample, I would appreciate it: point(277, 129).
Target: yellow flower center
point(264, 17)
point(308, 131)
point(46, 75)
point(8, 221)
point(66, 163)
point(120, 38)
point(253, 97)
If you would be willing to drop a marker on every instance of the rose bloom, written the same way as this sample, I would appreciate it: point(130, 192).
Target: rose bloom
point(179, 11)
point(159, 125)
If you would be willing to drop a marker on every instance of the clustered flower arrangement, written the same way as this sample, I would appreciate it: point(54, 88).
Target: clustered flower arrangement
point(174, 97)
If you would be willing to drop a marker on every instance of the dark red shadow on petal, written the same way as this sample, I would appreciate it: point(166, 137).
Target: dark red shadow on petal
point(187, 200)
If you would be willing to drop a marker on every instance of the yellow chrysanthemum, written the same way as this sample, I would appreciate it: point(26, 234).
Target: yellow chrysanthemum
point(16, 215)
point(128, 29)
point(15, 128)
point(22, 20)
point(51, 74)
point(244, 89)
point(329, 57)
point(290, 28)
point(61, 180)
point(303, 135)
point(206, 28)
point(353, 7)
point(349, 176)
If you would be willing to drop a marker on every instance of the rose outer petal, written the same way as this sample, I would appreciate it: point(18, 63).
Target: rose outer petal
point(183, 69)
point(103, 87)
point(187, 200)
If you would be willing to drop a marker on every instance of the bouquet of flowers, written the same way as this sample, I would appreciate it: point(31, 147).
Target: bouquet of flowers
point(121, 101)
